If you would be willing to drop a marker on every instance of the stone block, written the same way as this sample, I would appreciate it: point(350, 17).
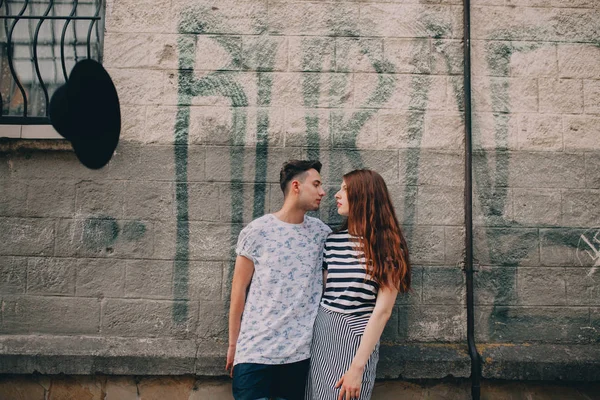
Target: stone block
point(506, 246)
point(513, 324)
point(495, 285)
point(566, 247)
point(415, 294)
point(494, 131)
point(149, 318)
point(13, 198)
point(580, 207)
point(447, 57)
point(441, 168)
point(121, 388)
point(311, 53)
point(591, 96)
point(307, 127)
point(425, 244)
point(541, 286)
point(149, 279)
point(212, 322)
point(21, 388)
point(492, 206)
point(443, 286)
point(327, 90)
point(455, 244)
point(205, 280)
point(211, 389)
point(401, 92)
point(104, 237)
point(27, 236)
point(46, 276)
point(314, 19)
point(561, 95)
point(13, 275)
point(265, 53)
point(409, 56)
point(203, 201)
point(338, 162)
point(163, 124)
point(205, 241)
point(579, 60)
point(410, 20)
point(225, 52)
point(592, 170)
point(227, 164)
point(359, 55)
point(34, 165)
point(353, 129)
point(552, 3)
point(581, 133)
point(440, 205)
point(551, 24)
point(536, 207)
point(506, 95)
point(50, 315)
point(538, 170)
point(98, 277)
point(243, 203)
point(76, 387)
point(433, 323)
point(221, 17)
point(443, 131)
point(136, 88)
point(389, 390)
point(100, 198)
point(171, 387)
point(149, 200)
point(403, 129)
point(142, 50)
point(534, 59)
point(132, 16)
point(390, 331)
point(540, 132)
point(583, 286)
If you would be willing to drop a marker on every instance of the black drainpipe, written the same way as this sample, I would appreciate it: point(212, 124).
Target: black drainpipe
point(475, 357)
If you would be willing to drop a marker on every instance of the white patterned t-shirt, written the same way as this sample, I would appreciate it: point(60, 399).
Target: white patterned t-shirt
point(283, 298)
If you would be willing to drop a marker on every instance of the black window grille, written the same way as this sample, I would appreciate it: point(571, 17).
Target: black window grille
point(40, 42)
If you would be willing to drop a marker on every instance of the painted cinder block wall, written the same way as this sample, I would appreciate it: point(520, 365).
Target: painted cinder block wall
point(126, 270)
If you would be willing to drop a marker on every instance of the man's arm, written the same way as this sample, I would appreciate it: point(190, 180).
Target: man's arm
point(242, 275)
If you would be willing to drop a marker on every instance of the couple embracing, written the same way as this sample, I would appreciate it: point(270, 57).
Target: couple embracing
point(308, 305)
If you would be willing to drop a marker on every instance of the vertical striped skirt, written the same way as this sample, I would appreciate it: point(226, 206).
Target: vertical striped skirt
point(336, 338)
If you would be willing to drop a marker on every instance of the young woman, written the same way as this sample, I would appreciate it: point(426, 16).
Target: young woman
point(365, 265)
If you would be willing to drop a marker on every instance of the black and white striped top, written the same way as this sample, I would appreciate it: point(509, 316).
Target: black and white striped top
point(348, 289)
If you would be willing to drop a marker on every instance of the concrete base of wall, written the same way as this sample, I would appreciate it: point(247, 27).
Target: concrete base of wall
point(54, 387)
point(80, 355)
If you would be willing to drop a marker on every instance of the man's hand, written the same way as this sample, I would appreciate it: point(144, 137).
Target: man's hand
point(350, 384)
point(230, 355)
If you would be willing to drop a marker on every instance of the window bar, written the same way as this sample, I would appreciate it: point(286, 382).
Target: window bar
point(62, 39)
point(10, 56)
point(89, 36)
point(74, 25)
point(35, 57)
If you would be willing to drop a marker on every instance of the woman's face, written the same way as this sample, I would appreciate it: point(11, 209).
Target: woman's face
point(342, 200)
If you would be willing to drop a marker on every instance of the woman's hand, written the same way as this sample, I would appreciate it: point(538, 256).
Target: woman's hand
point(350, 383)
point(230, 355)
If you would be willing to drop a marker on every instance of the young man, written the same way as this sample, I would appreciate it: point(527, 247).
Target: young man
point(279, 257)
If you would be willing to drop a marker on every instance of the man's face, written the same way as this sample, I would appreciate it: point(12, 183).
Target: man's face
point(310, 191)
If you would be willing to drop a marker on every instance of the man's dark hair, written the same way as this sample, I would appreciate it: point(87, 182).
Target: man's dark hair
point(293, 168)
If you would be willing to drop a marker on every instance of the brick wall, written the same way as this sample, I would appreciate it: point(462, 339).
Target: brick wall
point(215, 95)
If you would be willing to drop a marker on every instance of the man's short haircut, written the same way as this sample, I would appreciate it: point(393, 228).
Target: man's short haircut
point(293, 168)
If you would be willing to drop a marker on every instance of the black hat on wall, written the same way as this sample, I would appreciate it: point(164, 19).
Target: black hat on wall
point(86, 112)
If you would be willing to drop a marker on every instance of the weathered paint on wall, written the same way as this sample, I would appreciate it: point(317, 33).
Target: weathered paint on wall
point(216, 95)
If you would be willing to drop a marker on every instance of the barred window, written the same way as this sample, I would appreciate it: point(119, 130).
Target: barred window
point(40, 42)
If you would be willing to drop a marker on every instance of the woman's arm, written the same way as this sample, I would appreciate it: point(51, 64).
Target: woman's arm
point(352, 379)
point(242, 275)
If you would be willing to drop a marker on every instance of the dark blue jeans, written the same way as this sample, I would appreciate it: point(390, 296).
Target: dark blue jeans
point(262, 381)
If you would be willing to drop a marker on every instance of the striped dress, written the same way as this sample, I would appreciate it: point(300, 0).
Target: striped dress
point(346, 305)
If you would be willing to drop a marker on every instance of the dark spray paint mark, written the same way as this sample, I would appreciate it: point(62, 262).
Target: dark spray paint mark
point(100, 232)
point(217, 83)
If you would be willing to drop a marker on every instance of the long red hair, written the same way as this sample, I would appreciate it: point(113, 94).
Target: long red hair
point(372, 220)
